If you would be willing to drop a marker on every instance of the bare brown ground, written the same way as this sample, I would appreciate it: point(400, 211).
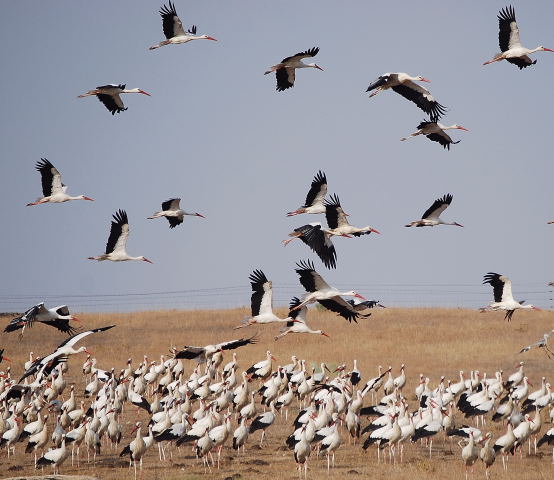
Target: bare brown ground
point(432, 341)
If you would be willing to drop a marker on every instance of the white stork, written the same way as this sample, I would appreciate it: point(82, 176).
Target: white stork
point(117, 241)
point(173, 212)
point(45, 365)
point(285, 71)
point(435, 132)
point(542, 343)
point(503, 299)
point(53, 189)
point(57, 317)
point(261, 369)
point(320, 291)
point(405, 85)
point(297, 324)
point(109, 96)
point(263, 421)
point(315, 196)
point(173, 29)
point(261, 301)
point(431, 217)
point(318, 239)
point(338, 223)
point(54, 457)
point(201, 354)
point(510, 44)
point(360, 306)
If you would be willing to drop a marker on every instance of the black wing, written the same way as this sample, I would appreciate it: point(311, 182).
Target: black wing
point(294, 302)
point(257, 280)
point(446, 200)
point(285, 78)
point(442, 138)
point(306, 270)
point(311, 52)
point(497, 285)
point(364, 305)
point(119, 220)
point(62, 325)
point(26, 319)
point(63, 310)
point(317, 189)
point(320, 243)
point(380, 82)
point(343, 308)
point(169, 21)
point(174, 221)
point(167, 204)
point(505, 18)
point(241, 342)
point(431, 107)
point(47, 175)
point(111, 103)
point(332, 212)
point(190, 352)
point(522, 62)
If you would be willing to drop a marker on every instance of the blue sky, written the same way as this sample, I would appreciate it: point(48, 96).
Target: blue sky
point(217, 134)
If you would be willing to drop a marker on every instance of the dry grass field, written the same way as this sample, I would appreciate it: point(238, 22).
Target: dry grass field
point(432, 341)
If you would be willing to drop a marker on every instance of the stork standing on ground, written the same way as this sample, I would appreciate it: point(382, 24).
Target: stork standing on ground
point(315, 197)
point(431, 216)
point(285, 70)
point(173, 29)
point(261, 301)
point(117, 241)
point(173, 212)
point(405, 85)
point(320, 291)
point(109, 95)
point(503, 299)
point(510, 44)
point(435, 132)
point(55, 457)
point(57, 317)
point(53, 190)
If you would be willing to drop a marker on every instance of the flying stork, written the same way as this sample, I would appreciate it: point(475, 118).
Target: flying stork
point(173, 212)
point(360, 306)
point(320, 291)
point(298, 324)
point(510, 44)
point(173, 29)
point(338, 223)
point(45, 365)
point(53, 189)
point(201, 354)
point(57, 317)
point(314, 198)
point(435, 132)
point(503, 299)
point(542, 343)
point(285, 71)
point(261, 301)
point(318, 239)
point(431, 217)
point(403, 84)
point(109, 96)
point(117, 241)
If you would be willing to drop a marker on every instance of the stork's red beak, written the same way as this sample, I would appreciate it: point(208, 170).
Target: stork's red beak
point(144, 93)
point(359, 296)
point(146, 260)
point(90, 199)
point(425, 80)
point(325, 335)
point(374, 231)
point(200, 215)
point(548, 50)
point(211, 38)
point(462, 128)
point(76, 319)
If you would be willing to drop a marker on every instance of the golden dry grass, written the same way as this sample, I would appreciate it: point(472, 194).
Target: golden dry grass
point(432, 341)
